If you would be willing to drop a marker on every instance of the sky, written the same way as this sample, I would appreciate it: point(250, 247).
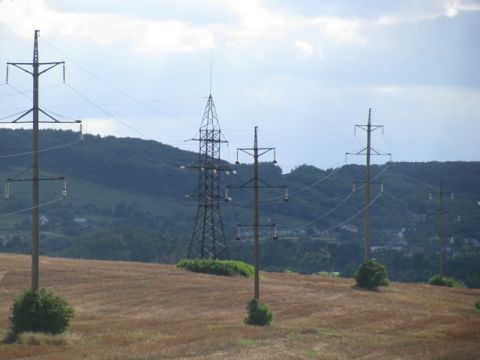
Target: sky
point(305, 72)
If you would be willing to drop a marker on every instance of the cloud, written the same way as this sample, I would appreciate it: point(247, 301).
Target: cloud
point(428, 12)
point(305, 48)
point(342, 29)
point(23, 16)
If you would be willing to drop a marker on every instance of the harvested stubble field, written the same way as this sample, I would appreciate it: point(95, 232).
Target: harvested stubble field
point(150, 311)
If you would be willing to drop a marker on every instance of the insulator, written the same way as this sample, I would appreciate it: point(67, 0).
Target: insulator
point(274, 157)
point(81, 132)
point(182, 167)
point(424, 217)
point(6, 78)
point(429, 196)
point(234, 172)
point(452, 240)
point(64, 73)
point(227, 172)
point(381, 188)
point(451, 196)
point(354, 188)
point(237, 162)
point(227, 198)
point(459, 218)
point(238, 233)
point(64, 188)
point(275, 237)
point(7, 191)
point(285, 197)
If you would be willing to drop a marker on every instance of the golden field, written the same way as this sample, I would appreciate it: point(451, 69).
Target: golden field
point(127, 310)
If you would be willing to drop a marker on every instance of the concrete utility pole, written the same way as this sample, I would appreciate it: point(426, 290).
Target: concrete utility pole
point(254, 183)
point(368, 151)
point(35, 110)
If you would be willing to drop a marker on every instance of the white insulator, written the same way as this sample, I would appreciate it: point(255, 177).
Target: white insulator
point(429, 196)
point(238, 233)
point(451, 196)
point(381, 188)
point(64, 188)
point(285, 197)
point(7, 191)
point(459, 218)
point(227, 198)
point(81, 132)
point(424, 217)
point(275, 233)
point(354, 188)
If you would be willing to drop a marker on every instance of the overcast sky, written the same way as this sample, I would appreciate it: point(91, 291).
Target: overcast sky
point(304, 71)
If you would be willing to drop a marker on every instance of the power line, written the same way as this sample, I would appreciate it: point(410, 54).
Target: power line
point(119, 91)
point(32, 207)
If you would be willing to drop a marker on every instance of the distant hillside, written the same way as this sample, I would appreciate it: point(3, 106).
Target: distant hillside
point(126, 200)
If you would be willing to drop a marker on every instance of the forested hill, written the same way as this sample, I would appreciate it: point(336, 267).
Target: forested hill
point(127, 200)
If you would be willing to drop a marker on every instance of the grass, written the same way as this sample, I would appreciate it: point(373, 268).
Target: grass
point(217, 267)
point(150, 311)
point(445, 281)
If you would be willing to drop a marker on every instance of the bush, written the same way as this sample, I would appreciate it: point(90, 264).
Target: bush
point(217, 267)
point(477, 305)
point(444, 281)
point(258, 313)
point(371, 275)
point(40, 312)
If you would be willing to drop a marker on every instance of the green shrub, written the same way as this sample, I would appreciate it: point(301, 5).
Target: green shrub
point(258, 313)
point(477, 305)
point(217, 267)
point(444, 281)
point(40, 312)
point(371, 275)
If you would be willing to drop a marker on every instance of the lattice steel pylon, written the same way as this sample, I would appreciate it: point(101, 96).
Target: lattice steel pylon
point(208, 236)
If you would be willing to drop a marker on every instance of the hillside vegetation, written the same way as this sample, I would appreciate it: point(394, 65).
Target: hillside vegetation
point(127, 310)
point(126, 201)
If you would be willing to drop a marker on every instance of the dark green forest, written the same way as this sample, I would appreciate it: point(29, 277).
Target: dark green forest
point(129, 199)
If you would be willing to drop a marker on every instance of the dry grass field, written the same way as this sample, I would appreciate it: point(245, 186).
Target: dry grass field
point(150, 311)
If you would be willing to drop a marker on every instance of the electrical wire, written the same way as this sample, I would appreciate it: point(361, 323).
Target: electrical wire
point(121, 92)
point(40, 150)
point(32, 207)
point(12, 115)
point(28, 91)
point(108, 113)
point(354, 215)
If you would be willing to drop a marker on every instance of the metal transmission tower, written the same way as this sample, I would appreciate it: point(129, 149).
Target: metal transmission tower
point(208, 236)
point(256, 152)
point(440, 214)
point(368, 151)
point(36, 71)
